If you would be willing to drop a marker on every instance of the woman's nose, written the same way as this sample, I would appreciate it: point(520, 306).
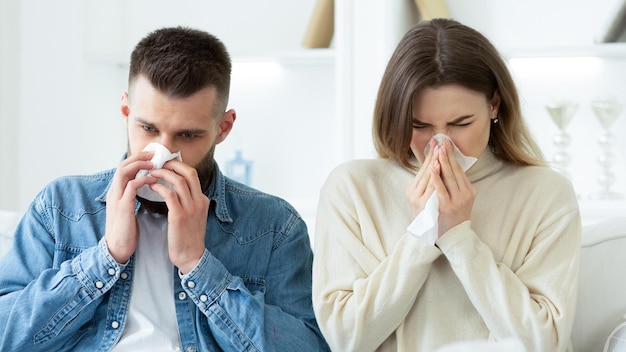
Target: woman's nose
point(440, 130)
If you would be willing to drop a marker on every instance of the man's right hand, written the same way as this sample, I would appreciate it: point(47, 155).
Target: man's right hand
point(122, 232)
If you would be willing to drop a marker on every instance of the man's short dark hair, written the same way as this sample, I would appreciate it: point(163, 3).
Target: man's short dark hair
point(180, 61)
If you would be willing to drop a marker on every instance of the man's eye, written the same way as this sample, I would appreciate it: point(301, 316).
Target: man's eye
point(188, 135)
point(148, 128)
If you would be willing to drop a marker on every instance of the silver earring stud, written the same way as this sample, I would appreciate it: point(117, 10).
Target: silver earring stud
point(495, 121)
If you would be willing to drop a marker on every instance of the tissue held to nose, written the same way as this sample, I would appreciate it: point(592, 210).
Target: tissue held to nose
point(161, 156)
point(464, 161)
point(425, 225)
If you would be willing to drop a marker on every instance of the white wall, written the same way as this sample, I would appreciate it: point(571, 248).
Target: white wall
point(9, 85)
point(73, 66)
point(63, 70)
point(554, 55)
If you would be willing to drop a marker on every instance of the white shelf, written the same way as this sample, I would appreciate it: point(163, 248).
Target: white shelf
point(604, 50)
point(304, 57)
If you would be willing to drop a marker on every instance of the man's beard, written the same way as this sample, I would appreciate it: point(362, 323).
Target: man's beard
point(205, 169)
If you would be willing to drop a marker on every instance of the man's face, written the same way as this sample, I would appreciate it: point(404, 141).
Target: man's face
point(188, 125)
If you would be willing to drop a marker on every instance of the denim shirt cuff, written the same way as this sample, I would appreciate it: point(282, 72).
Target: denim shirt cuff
point(97, 272)
point(206, 281)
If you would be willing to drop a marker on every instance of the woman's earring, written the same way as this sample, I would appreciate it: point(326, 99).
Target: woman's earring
point(495, 120)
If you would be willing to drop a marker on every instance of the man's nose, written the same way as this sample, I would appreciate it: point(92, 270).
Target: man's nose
point(168, 142)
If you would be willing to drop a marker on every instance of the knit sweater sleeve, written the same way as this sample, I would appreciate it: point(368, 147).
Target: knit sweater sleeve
point(362, 291)
point(535, 301)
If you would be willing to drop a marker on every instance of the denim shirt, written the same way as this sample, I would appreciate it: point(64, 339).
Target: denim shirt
point(61, 290)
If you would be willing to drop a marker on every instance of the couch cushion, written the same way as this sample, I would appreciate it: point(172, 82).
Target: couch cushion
point(8, 223)
point(602, 288)
point(617, 339)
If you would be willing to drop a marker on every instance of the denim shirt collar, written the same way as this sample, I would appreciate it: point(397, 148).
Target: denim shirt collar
point(216, 192)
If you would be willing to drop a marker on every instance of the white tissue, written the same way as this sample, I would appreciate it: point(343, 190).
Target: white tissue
point(464, 161)
point(161, 156)
point(426, 224)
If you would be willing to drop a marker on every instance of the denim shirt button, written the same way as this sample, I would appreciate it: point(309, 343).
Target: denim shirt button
point(111, 271)
point(191, 284)
point(115, 324)
point(190, 349)
point(99, 284)
point(124, 275)
point(182, 296)
point(203, 298)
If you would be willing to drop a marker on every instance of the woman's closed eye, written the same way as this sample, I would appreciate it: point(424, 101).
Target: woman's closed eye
point(461, 124)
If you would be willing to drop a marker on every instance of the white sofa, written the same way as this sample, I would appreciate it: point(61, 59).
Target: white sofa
point(602, 294)
point(8, 222)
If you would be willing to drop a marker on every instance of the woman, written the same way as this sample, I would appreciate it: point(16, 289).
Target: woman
point(503, 262)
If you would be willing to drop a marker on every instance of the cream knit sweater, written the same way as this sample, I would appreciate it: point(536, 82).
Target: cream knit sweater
point(510, 272)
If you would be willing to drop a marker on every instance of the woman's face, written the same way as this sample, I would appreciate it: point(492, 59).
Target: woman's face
point(463, 114)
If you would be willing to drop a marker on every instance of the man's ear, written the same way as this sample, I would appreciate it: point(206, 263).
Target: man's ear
point(125, 107)
point(226, 125)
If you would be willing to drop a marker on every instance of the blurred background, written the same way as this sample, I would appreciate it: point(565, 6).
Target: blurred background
point(301, 111)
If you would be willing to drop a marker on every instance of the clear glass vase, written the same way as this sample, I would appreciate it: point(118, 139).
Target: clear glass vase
point(561, 113)
point(607, 112)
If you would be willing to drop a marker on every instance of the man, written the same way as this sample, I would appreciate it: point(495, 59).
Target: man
point(215, 266)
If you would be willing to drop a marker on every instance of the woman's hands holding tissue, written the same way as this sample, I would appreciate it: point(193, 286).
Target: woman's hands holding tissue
point(455, 191)
point(187, 213)
point(442, 173)
point(122, 232)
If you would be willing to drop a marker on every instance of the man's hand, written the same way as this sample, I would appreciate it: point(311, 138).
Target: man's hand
point(122, 233)
point(188, 208)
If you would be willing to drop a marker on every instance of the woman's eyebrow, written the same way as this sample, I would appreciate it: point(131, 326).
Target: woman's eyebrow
point(461, 119)
point(457, 120)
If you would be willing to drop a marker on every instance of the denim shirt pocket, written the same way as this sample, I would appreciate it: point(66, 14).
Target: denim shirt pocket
point(254, 284)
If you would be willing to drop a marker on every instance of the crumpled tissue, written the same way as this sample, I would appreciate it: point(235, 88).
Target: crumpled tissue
point(426, 224)
point(161, 156)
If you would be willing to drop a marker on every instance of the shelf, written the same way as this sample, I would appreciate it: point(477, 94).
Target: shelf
point(304, 57)
point(605, 50)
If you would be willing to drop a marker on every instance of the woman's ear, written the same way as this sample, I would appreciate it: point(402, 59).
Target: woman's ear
point(495, 104)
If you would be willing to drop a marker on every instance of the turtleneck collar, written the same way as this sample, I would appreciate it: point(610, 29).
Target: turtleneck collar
point(487, 164)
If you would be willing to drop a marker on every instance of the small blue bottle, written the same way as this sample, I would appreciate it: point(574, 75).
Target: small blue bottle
point(240, 169)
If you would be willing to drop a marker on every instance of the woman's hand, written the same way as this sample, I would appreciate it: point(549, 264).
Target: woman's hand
point(455, 191)
point(420, 190)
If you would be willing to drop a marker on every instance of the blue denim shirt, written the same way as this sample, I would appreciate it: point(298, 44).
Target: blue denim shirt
point(61, 290)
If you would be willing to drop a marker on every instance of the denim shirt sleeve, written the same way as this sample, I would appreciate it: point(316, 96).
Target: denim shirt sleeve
point(44, 301)
point(242, 320)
